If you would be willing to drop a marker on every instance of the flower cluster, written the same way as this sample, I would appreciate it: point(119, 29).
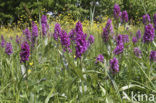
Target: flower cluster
point(137, 52)
point(124, 16)
point(125, 38)
point(44, 19)
point(138, 34)
point(90, 40)
point(25, 52)
point(134, 40)
point(57, 31)
point(119, 49)
point(2, 41)
point(153, 56)
point(119, 39)
point(44, 29)
point(149, 33)
point(81, 45)
point(34, 33)
point(8, 49)
point(120, 46)
point(146, 19)
point(72, 34)
point(78, 27)
point(81, 42)
point(45, 25)
point(65, 40)
point(154, 21)
point(107, 30)
point(117, 12)
point(114, 66)
point(99, 58)
point(34, 29)
point(27, 33)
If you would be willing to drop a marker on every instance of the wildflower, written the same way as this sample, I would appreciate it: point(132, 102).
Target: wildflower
point(149, 33)
point(31, 63)
point(137, 52)
point(81, 43)
point(8, 49)
point(117, 12)
point(120, 46)
point(138, 34)
point(153, 56)
point(114, 65)
point(34, 30)
point(72, 34)
point(44, 19)
point(2, 38)
point(65, 40)
point(109, 26)
point(134, 40)
point(17, 39)
point(90, 40)
point(45, 25)
point(2, 41)
point(25, 52)
point(146, 19)
point(34, 33)
point(57, 31)
point(107, 30)
point(105, 35)
point(44, 29)
point(99, 58)
point(78, 27)
point(27, 33)
point(154, 21)
point(119, 39)
point(124, 16)
point(119, 49)
point(74, 56)
point(125, 38)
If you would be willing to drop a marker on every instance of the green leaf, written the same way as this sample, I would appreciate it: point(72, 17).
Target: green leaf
point(49, 95)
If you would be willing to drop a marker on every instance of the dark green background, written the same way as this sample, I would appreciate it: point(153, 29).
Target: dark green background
point(11, 10)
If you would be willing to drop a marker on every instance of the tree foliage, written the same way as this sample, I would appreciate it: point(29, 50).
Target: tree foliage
point(11, 10)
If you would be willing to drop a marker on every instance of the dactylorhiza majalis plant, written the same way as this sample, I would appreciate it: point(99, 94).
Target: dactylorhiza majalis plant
point(149, 33)
point(34, 34)
point(146, 19)
point(114, 65)
point(153, 56)
point(57, 31)
point(65, 41)
point(45, 25)
point(3, 42)
point(27, 33)
point(154, 20)
point(8, 48)
point(107, 31)
point(99, 58)
point(25, 52)
point(117, 16)
point(81, 42)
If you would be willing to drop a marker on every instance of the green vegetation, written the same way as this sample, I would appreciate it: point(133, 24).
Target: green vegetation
point(11, 11)
point(64, 68)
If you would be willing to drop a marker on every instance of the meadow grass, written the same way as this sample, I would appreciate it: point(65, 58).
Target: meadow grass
point(55, 76)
